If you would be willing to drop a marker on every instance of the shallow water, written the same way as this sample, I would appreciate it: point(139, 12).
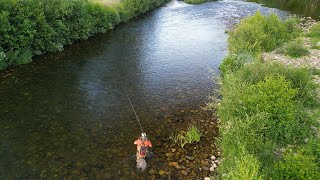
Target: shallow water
point(66, 114)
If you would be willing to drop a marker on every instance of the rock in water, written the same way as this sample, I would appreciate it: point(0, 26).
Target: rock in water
point(162, 172)
point(173, 163)
point(189, 158)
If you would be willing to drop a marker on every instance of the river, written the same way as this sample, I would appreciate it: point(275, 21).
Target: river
point(66, 114)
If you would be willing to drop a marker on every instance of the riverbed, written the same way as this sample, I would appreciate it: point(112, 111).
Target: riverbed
point(66, 114)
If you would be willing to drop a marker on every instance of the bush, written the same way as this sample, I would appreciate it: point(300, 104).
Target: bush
point(3, 59)
point(266, 106)
point(34, 27)
point(258, 33)
point(234, 62)
point(299, 164)
point(295, 49)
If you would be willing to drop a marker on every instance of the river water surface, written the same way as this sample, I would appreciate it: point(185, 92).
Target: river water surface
point(66, 114)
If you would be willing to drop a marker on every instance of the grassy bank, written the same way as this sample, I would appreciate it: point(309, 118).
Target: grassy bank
point(305, 7)
point(34, 27)
point(268, 112)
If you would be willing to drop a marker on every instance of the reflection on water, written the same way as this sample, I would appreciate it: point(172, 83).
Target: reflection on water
point(66, 114)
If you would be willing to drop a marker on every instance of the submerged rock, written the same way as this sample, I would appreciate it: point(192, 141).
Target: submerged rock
point(189, 158)
point(185, 172)
point(179, 167)
point(173, 163)
point(152, 171)
point(169, 155)
point(162, 172)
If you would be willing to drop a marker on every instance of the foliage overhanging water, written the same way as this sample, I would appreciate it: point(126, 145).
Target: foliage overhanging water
point(66, 114)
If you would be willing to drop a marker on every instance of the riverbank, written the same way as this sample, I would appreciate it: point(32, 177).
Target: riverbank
point(196, 1)
point(268, 114)
point(308, 8)
point(31, 28)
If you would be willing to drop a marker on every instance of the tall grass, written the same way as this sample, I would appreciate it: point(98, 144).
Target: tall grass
point(267, 111)
point(34, 27)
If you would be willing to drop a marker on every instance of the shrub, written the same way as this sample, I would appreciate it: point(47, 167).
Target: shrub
point(297, 164)
point(234, 62)
point(295, 49)
point(314, 31)
point(34, 27)
point(266, 106)
point(3, 59)
point(258, 33)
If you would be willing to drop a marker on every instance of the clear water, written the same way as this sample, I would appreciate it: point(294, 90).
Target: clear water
point(66, 114)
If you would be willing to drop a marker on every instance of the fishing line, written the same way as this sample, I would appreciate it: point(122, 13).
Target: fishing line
point(134, 110)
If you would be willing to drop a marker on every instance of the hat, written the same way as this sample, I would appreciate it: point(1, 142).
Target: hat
point(143, 136)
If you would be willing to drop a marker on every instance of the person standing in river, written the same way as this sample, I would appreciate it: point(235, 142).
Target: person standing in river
point(142, 150)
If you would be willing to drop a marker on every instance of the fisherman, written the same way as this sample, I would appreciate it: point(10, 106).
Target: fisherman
point(142, 146)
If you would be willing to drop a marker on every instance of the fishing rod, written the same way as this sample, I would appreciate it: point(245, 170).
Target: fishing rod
point(134, 111)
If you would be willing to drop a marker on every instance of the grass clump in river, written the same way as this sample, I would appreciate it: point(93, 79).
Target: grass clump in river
point(268, 112)
point(187, 137)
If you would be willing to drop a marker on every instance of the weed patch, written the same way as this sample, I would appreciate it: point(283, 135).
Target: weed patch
point(295, 49)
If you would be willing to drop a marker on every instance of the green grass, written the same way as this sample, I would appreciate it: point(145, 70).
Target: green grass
point(295, 49)
point(314, 31)
point(186, 137)
point(315, 43)
point(259, 33)
point(266, 107)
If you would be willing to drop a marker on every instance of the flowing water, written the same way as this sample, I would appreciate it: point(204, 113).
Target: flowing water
point(66, 114)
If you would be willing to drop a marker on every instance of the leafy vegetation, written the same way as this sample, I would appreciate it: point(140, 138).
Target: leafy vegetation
point(34, 27)
point(295, 49)
point(305, 7)
point(261, 33)
point(269, 112)
point(182, 138)
point(196, 1)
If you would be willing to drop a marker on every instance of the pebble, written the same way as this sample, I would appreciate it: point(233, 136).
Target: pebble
point(212, 168)
point(180, 167)
point(204, 163)
point(214, 165)
point(152, 171)
point(185, 172)
point(217, 161)
point(189, 158)
point(173, 163)
point(169, 155)
point(162, 172)
point(206, 178)
point(206, 168)
point(212, 157)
